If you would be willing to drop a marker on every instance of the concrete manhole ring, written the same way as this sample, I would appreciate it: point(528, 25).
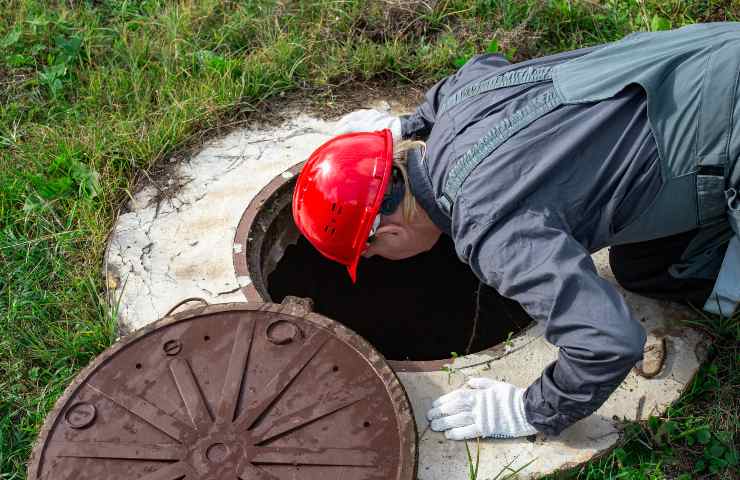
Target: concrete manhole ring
point(231, 403)
point(189, 244)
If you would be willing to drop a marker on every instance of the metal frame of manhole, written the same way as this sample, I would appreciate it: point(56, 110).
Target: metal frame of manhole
point(251, 235)
point(299, 392)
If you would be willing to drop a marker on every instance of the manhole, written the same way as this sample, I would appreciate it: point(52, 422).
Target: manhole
point(248, 392)
point(429, 307)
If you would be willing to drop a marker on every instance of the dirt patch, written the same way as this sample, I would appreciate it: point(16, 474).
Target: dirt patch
point(321, 103)
point(11, 81)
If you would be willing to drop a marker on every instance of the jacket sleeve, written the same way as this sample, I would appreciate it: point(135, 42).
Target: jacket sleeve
point(530, 257)
point(418, 124)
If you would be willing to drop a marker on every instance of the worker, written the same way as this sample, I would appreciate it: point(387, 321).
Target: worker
point(530, 168)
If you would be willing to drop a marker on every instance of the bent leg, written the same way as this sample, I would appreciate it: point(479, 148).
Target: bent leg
point(642, 268)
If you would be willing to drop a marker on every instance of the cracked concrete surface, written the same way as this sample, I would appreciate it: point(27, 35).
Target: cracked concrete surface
point(176, 241)
point(178, 244)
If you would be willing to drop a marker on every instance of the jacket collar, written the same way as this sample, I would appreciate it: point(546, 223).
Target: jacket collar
point(421, 189)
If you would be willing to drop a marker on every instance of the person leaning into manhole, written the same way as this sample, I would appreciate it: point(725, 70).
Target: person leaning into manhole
point(530, 168)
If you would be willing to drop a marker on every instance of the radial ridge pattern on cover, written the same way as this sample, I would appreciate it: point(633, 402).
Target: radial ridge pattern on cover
point(245, 392)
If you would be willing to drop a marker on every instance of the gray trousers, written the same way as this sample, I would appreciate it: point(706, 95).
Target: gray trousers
point(642, 268)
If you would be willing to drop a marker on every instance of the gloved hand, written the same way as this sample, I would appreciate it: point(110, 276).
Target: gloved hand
point(487, 409)
point(369, 121)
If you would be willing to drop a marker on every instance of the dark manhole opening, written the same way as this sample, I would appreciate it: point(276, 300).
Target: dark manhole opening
point(423, 308)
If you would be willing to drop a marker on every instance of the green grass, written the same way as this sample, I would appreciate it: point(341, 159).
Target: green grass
point(92, 92)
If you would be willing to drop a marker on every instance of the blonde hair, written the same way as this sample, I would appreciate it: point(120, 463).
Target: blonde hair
point(400, 161)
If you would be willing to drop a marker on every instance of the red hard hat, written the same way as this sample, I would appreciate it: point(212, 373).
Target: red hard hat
point(339, 193)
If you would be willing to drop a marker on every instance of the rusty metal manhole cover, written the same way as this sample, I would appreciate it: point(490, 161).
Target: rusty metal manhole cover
point(238, 391)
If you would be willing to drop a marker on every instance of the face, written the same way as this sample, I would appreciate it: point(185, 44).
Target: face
point(396, 239)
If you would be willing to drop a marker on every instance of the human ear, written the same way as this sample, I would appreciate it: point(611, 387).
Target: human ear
point(390, 229)
point(388, 242)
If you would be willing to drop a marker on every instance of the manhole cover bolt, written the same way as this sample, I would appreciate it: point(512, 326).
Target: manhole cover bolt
point(172, 347)
point(80, 415)
point(217, 452)
point(283, 332)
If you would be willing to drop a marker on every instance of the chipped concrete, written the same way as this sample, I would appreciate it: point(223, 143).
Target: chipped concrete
point(654, 359)
point(177, 244)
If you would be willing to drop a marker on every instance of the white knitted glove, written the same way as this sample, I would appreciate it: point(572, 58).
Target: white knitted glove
point(369, 121)
point(487, 409)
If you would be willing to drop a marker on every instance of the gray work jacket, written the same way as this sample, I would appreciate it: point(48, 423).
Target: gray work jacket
point(527, 218)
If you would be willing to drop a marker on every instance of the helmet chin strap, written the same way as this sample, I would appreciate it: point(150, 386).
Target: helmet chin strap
point(394, 194)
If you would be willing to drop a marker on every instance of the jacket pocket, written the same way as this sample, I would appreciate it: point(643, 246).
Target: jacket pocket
point(710, 191)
